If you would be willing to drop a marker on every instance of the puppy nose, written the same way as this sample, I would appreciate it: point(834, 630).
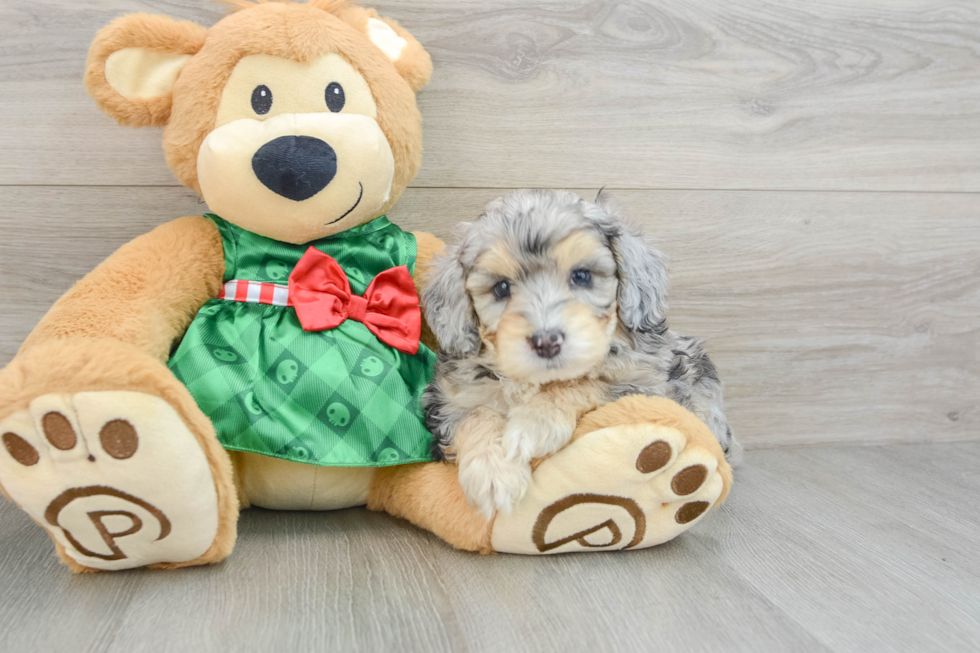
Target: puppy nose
point(296, 167)
point(547, 343)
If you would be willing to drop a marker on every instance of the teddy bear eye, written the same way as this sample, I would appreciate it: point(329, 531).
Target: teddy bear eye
point(335, 97)
point(261, 99)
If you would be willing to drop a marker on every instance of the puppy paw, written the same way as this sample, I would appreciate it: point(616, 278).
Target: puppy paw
point(530, 434)
point(493, 483)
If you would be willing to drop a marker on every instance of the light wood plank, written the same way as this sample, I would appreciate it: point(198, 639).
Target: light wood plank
point(870, 95)
point(837, 554)
point(806, 556)
point(832, 316)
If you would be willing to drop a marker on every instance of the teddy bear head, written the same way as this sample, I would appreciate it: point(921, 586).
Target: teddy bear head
point(292, 120)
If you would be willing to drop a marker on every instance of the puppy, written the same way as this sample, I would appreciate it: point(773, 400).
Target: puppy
point(547, 307)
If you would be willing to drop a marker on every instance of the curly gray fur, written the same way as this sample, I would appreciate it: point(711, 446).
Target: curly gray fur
point(645, 357)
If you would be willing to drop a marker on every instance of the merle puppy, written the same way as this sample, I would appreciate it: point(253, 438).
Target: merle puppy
point(547, 307)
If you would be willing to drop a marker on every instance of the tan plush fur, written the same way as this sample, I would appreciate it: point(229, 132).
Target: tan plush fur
point(261, 29)
point(79, 364)
point(146, 293)
point(414, 63)
point(295, 31)
point(661, 411)
point(138, 30)
point(115, 329)
point(429, 496)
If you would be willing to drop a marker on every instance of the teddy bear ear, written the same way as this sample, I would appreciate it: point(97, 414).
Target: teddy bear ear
point(409, 57)
point(133, 64)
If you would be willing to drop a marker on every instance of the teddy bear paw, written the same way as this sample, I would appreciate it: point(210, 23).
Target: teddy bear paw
point(621, 487)
point(116, 478)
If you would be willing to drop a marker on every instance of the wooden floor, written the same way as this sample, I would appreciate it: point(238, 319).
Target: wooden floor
point(812, 167)
point(820, 549)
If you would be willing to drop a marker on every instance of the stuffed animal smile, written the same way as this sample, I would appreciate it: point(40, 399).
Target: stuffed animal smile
point(326, 171)
point(291, 137)
point(273, 352)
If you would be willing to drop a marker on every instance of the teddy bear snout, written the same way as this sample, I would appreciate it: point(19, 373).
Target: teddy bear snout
point(296, 167)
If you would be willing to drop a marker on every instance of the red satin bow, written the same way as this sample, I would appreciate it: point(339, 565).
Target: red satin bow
point(321, 294)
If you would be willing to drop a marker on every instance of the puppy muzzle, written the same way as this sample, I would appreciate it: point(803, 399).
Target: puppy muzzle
point(546, 343)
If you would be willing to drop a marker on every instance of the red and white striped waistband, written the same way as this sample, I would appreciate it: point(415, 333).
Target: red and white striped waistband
point(255, 292)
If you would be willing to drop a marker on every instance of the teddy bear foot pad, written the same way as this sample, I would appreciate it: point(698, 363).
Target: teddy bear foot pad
point(116, 478)
point(622, 487)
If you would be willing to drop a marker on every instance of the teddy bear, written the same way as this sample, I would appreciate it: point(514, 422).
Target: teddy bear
point(272, 352)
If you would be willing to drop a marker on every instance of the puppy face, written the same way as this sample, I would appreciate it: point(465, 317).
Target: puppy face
point(548, 313)
point(540, 283)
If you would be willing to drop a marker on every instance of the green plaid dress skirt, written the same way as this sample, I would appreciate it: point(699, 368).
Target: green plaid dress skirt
point(336, 398)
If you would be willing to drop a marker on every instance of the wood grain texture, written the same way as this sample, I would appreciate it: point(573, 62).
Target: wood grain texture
point(870, 95)
point(846, 317)
point(833, 317)
point(820, 549)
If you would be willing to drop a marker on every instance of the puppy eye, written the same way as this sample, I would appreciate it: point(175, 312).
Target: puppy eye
point(261, 99)
point(335, 97)
point(581, 278)
point(501, 290)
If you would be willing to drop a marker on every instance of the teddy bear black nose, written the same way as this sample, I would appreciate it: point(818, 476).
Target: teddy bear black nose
point(296, 167)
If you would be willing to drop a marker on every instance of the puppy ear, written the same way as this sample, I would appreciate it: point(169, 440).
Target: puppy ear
point(447, 306)
point(408, 56)
point(642, 270)
point(133, 64)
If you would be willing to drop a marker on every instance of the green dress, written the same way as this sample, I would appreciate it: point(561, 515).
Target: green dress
point(336, 398)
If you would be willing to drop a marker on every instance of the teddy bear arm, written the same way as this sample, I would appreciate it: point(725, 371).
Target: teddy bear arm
point(146, 293)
